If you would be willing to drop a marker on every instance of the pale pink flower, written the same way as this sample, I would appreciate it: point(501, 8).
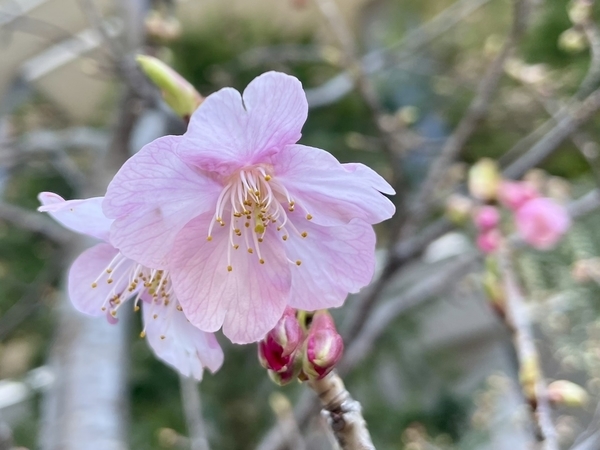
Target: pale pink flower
point(101, 280)
point(486, 218)
point(542, 222)
point(248, 221)
point(488, 241)
point(514, 194)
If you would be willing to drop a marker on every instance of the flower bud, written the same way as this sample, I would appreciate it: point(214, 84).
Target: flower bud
point(323, 347)
point(542, 222)
point(514, 194)
point(484, 178)
point(276, 351)
point(488, 241)
point(572, 41)
point(289, 373)
point(563, 392)
point(486, 218)
point(177, 92)
point(458, 208)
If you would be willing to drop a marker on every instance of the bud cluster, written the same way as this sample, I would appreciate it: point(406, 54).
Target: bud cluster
point(293, 350)
point(540, 221)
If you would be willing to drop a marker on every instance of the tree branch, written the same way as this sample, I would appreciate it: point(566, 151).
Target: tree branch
point(344, 414)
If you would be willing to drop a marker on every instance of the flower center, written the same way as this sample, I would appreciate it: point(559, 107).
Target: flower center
point(252, 201)
point(129, 280)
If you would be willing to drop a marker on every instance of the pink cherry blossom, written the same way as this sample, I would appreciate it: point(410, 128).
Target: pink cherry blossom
point(488, 241)
point(514, 194)
point(247, 220)
point(542, 222)
point(486, 218)
point(101, 280)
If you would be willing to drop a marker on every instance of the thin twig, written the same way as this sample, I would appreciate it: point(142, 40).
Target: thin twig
point(192, 408)
point(34, 222)
point(343, 413)
point(532, 381)
point(468, 124)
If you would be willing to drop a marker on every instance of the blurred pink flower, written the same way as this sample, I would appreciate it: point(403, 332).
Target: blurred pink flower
point(486, 218)
point(542, 222)
point(514, 194)
point(488, 241)
point(247, 220)
point(101, 280)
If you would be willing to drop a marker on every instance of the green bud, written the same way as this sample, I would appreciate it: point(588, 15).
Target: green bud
point(177, 92)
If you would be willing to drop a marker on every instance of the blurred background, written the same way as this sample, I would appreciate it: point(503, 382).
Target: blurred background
point(442, 374)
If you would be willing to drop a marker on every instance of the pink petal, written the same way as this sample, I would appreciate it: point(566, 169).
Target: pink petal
point(248, 301)
point(86, 269)
point(334, 262)
point(333, 194)
point(152, 197)
point(542, 222)
point(178, 343)
point(226, 134)
point(82, 216)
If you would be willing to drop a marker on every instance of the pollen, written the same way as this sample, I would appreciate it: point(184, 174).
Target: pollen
point(284, 237)
point(267, 177)
point(209, 238)
point(262, 261)
point(162, 337)
point(113, 313)
point(143, 334)
point(250, 250)
point(109, 281)
point(94, 285)
point(304, 234)
point(136, 308)
point(229, 268)
point(308, 217)
point(298, 262)
point(179, 308)
point(155, 316)
point(236, 246)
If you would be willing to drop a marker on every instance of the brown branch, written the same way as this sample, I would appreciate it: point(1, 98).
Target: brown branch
point(344, 414)
point(530, 374)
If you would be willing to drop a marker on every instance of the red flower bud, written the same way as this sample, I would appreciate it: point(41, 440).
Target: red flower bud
point(323, 347)
point(276, 351)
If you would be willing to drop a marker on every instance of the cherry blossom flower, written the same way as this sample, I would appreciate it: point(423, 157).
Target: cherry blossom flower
point(247, 220)
point(514, 194)
point(542, 222)
point(486, 218)
point(101, 280)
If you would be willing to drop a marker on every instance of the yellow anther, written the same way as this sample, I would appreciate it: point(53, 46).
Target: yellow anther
point(262, 261)
point(136, 308)
point(209, 238)
point(103, 308)
point(155, 316)
point(308, 217)
point(179, 308)
point(236, 246)
point(284, 237)
point(304, 234)
point(298, 262)
point(113, 313)
point(247, 224)
point(267, 177)
point(260, 239)
point(250, 250)
point(109, 281)
point(162, 337)
point(143, 334)
point(229, 268)
point(291, 209)
point(94, 285)
point(109, 270)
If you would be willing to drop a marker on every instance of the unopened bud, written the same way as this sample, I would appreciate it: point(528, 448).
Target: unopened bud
point(489, 241)
point(458, 208)
point(580, 11)
point(177, 92)
point(563, 392)
point(323, 347)
point(289, 373)
point(486, 218)
point(572, 41)
point(160, 28)
point(276, 350)
point(484, 179)
point(514, 194)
